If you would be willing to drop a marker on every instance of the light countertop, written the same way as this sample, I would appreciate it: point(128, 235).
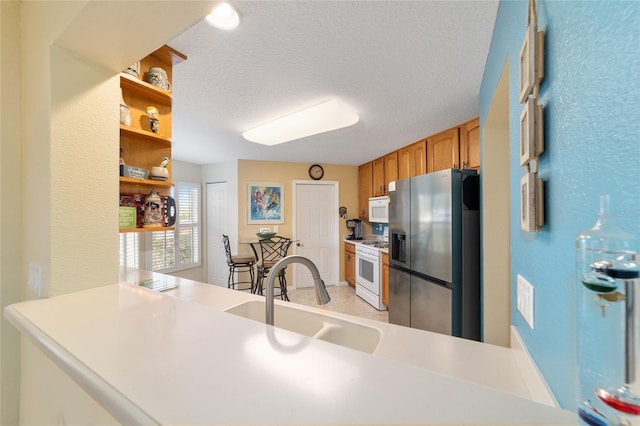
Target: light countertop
point(177, 358)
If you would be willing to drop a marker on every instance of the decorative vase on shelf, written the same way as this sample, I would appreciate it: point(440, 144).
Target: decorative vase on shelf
point(125, 113)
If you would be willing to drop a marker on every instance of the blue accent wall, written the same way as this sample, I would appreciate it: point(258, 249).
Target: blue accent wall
point(591, 94)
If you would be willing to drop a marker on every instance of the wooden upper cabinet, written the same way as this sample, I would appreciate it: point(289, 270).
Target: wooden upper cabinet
point(404, 162)
point(385, 170)
point(365, 191)
point(458, 147)
point(390, 169)
point(470, 144)
point(443, 150)
point(420, 155)
point(412, 160)
point(379, 186)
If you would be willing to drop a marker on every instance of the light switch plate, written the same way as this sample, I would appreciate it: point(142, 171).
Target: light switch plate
point(35, 278)
point(524, 300)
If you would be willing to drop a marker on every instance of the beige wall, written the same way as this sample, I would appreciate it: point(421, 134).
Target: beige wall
point(59, 146)
point(10, 206)
point(237, 174)
point(281, 172)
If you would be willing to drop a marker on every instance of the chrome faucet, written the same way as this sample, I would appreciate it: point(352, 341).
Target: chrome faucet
point(322, 297)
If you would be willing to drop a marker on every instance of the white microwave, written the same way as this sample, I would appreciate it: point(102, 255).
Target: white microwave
point(379, 209)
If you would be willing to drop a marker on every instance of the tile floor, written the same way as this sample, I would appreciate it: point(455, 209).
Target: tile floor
point(343, 300)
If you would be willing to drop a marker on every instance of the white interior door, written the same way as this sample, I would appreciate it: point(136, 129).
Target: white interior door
point(316, 230)
point(217, 269)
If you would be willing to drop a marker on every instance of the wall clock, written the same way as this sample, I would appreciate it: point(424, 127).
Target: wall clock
point(316, 172)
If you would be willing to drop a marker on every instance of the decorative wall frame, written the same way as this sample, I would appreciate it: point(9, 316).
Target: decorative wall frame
point(531, 123)
point(531, 61)
point(531, 131)
point(527, 203)
point(531, 202)
point(527, 133)
point(265, 203)
point(528, 63)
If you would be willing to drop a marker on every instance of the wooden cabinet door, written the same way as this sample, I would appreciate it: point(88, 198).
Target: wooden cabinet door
point(419, 156)
point(412, 160)
point(365, 181)
point(385, 279)
point(390, 169)
point(404, 162)
point(378, 177)
point(443, 150)
point(350, 264)
point(470, 144)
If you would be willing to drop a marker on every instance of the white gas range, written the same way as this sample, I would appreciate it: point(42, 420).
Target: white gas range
point(369, 272)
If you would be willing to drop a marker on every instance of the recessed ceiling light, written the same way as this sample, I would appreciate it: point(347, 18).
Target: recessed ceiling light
point(224, 17)
point(326, 116)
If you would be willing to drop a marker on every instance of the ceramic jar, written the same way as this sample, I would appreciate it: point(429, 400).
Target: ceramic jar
point(125, 113)
point(133, 69)
point(158, 77)
point(152, 210)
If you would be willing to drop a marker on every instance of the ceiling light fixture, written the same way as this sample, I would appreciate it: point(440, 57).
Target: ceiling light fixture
point(224, 17)
point(326, 116)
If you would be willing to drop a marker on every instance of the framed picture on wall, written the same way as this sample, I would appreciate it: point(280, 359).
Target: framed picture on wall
point(527, 203)
point(531, 131)
point(527, 64)
point(527, 132)
point(531, 61)
point(265, 203)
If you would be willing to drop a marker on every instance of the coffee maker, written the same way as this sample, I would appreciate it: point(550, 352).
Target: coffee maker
point(356, 229)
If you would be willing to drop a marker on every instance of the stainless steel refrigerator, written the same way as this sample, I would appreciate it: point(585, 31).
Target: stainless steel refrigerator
point(434, 246)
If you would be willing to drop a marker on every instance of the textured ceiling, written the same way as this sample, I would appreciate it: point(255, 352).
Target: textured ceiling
point(409, 68)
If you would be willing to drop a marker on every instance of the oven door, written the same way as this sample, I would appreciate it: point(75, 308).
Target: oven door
point(368, 272)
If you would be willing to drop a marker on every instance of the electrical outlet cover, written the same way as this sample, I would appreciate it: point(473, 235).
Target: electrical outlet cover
point(524, 300)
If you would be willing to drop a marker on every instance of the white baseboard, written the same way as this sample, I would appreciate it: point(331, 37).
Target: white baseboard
point(536, 384)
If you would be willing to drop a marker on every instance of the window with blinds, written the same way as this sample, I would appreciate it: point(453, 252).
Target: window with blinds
point(168, 251)
point(180, 248)
point(130, 250)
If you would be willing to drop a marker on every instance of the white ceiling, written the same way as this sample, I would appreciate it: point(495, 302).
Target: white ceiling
point(409, 68)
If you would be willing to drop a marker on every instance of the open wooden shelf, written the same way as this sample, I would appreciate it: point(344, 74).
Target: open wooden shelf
point(144, 135)
point(139, 146)
point(154, 229)
point(146, 90)
point(146, 182)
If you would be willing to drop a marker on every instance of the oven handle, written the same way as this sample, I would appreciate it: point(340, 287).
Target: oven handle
point(367, 256)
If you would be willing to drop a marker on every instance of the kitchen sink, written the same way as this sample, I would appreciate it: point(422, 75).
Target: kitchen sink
point(313, 324)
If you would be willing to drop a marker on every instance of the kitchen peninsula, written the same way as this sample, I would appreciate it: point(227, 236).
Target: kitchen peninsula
point(177, 358)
